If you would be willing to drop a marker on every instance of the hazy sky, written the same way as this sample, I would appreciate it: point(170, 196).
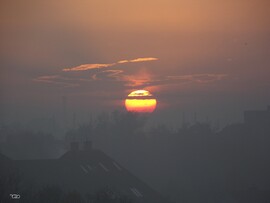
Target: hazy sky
point(204, 56)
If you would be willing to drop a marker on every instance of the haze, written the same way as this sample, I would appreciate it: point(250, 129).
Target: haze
point(67, 68)
point(213, 56)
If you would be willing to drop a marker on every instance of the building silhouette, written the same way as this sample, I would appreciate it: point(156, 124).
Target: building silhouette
point(257, 117)
point(87, 171)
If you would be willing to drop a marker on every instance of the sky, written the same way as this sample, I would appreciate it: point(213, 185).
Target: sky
point(195, 56)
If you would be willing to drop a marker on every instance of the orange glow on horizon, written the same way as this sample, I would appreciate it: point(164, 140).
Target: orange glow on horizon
point(140, 101)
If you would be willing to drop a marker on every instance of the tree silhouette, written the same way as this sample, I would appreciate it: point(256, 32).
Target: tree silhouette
point(73, 197)
point(50, 193)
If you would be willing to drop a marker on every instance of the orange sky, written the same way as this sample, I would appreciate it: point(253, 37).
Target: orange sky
point(209, 53)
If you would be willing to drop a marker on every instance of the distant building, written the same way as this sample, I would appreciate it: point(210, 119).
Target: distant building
point(256, 117)
point(87, 171)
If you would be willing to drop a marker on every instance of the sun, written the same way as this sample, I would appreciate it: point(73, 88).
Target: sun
point(140, 101)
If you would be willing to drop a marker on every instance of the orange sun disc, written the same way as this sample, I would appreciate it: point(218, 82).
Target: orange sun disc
point(140, 101)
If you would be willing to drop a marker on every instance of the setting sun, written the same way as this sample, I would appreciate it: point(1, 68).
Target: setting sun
point(140, 101)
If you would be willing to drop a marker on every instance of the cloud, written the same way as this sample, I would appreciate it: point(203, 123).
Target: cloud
point(88, 67)
point(85, 67)
point(123, 61)
point(169, 80)
point(141, 79)
point(198, 78)
point(114, 74)
point(138, 60)
point(143, 59)
point(144, 80)
point(57, 80)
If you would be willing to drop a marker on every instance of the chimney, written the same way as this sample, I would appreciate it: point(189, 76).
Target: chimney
point(87, 146)
point(74, 146)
